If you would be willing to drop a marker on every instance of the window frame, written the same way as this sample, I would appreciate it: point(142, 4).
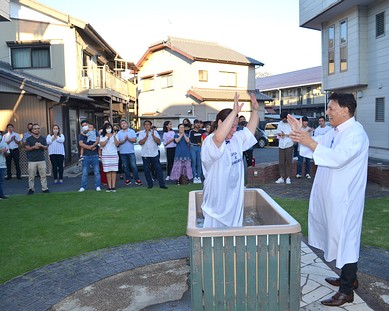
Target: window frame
point(380, 25)
point(31, 50)
point(227, 76)
point(343, 46)
point(379, 112)
point(203, 75)
point(331, 49)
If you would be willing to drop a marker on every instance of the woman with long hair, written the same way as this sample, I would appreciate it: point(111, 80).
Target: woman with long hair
point(109, 155)
point(170, 146)
point(223, 169)
point(55, 140)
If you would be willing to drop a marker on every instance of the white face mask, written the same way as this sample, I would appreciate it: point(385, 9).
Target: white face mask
point(55, 131)
point(109, 131)
point(85, 128)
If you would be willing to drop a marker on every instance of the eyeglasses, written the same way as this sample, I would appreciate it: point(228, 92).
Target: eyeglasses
point(36, 128)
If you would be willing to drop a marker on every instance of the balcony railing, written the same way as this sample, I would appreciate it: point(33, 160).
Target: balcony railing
point(102, 77)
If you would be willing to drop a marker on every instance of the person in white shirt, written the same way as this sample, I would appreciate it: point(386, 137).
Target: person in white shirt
point(55, 140)
point(223, 169)
point(12, 139)
point(109, 155)
point(285, 150)
point(338, 193)
point(322, 128)
point(3, 151)
point(149, 140)
point(170, 146)
point(300, 159)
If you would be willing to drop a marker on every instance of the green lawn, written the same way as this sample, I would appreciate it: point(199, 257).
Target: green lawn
point(41, 229)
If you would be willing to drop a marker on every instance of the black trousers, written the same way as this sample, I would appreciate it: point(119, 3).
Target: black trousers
point(13, 155)
point(57, 165)
point(347, 278)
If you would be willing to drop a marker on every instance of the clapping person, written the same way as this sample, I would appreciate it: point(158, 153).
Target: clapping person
point(170, 146)
point(55, 141)
point(109, 155)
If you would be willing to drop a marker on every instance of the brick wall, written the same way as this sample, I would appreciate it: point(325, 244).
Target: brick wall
point(264, 173)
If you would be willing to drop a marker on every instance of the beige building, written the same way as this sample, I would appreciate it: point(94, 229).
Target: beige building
point(181, 78)
point(56, 69)
point(355, 58)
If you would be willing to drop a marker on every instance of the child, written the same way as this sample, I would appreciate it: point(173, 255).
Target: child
point(92, 138)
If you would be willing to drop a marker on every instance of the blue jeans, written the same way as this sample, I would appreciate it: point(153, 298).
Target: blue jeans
point(147, 163)
point(300, 165)
point(86, 163)
point(2, 173)
point(128, 160)
point(195, 154)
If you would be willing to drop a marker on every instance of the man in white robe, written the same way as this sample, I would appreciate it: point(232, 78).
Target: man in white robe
point(338, 193)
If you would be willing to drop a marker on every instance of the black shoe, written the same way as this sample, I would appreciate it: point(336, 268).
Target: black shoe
point(46, 191)
point(30, 191)
point(163, 187)
point(7, 178)
point(149, 187)
point(3, 198)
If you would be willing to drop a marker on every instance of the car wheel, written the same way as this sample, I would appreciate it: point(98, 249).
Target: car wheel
point(261, 143)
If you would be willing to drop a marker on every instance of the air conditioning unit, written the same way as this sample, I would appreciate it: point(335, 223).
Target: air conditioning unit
point(85, 82)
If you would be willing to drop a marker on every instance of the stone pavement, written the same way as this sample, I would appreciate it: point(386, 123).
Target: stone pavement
point(118, 278)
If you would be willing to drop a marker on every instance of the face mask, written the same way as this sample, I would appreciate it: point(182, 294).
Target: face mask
point(55, 131)
point(85, 128)
point(109, 131)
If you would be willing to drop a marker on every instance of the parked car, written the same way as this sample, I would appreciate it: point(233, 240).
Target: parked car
point(261, 137)
point(271, 132)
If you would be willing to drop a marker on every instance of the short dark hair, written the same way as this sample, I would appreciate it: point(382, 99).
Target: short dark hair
point(147, 121)
point(304, 119)
point(84, 121)
point(322, 117)
point(345, 100)
point(284, 115)
point(9, 124)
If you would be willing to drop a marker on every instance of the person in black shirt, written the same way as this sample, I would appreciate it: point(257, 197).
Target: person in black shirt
point(35, 150)
point(195, 150)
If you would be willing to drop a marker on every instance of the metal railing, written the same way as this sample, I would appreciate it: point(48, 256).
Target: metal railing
point(102, 77)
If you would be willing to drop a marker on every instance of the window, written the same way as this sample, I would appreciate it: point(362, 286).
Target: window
point(167, 80)
point(148, 84)
point(203, 75)
point(30, 55)
point(380, 109)
point(343, 46)
point(331, 49)
point(228, 79)
point(380, 24)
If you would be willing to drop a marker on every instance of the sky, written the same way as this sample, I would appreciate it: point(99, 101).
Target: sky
point(266, 30)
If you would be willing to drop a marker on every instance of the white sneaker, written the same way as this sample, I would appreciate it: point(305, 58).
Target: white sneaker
point(298, 176)
point(167, 178)
point(288, 181)
point(295, 158)
point(98, 189)
point(280, 180)
point(308, 176)
point(197, 180)
point(81, 189)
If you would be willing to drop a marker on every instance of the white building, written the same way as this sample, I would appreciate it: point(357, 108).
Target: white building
point(181, 78)
point(355, 58)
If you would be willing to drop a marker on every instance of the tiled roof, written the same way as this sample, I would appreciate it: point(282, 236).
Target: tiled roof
point(307, 76)
point(201, 51)
point(37, 86)
point(225, 95)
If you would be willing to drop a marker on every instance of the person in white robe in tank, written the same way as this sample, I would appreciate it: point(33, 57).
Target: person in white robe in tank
point(338, 193)
point(222, 163)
